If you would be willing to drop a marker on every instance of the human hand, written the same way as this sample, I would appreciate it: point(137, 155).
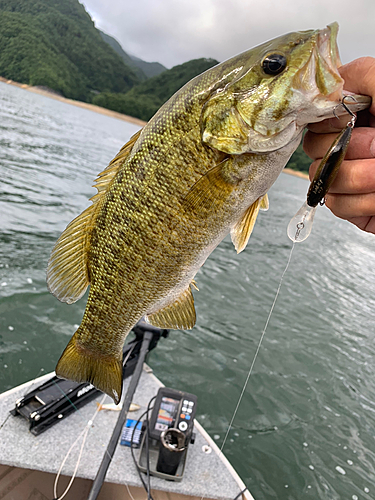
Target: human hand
point(352, 194)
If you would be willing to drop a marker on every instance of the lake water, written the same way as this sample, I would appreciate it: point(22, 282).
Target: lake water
point(306, 426)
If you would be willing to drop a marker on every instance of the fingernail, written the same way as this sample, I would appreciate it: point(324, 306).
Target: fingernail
point(337, 125)
point(372, 148)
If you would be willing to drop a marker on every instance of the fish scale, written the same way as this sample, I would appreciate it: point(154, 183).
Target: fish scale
point(201, 168)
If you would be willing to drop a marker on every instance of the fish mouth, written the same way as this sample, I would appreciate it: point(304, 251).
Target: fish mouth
point(320, 75)
point(327, 77)
point(319, 79)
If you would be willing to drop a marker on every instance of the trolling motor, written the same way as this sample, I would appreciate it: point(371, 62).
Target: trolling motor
point(169, 432)
point(57, 398)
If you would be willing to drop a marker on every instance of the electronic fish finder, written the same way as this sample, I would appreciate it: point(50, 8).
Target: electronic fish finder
point(172, 409)
point(164, 447)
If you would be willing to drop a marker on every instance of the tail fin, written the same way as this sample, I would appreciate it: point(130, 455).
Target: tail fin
point(104, 372)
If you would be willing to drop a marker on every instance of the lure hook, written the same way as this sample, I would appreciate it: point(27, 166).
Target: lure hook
point(348, 110)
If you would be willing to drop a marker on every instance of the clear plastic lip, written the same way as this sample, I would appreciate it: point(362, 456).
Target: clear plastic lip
point(299, 228)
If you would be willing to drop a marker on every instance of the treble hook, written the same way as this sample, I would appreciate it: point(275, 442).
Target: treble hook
point(348, 110)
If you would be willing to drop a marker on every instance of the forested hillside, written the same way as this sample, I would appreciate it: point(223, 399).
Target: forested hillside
point(144, 99)
point(54, 43)
point(141, 68)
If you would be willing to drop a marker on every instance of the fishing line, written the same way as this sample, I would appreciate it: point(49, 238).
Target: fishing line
point(84, 433)
point(257, 349)
point(255, 357)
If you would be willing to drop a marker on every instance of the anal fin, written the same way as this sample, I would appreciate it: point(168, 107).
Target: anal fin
point(179, 315)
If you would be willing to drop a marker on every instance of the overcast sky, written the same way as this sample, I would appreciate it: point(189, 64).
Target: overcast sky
point(175, 31)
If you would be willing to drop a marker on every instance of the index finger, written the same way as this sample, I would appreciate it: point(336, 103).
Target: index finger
point(359, 76)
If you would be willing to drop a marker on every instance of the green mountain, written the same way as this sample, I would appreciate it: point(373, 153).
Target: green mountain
point(141, 68)
point(54, 43)
point(150, 69)
point(144, 99)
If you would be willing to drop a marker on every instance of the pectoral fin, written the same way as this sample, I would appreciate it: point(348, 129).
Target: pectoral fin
point(212, 189)
point(179, 315)
point(241, 232)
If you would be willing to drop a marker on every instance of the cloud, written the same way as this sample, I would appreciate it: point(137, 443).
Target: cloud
point(174, 31)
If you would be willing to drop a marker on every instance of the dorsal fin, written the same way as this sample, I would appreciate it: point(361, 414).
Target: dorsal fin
point(68, 269)
point(104, 178)
point(242, 230)
point(179, 315)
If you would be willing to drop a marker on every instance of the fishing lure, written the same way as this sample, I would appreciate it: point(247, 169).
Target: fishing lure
point(300, 226)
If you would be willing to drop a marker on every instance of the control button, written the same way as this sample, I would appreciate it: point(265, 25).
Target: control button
point(182, 426)
point(187, 417)
point(191, 403)
point(182, 415)
point(189, 410)
point(184, 409)
point(186, 402)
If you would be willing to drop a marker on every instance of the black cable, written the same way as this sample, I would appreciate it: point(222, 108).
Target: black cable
point(148, 462)
point(148, 451)
point(241, 493)
point(146, 487)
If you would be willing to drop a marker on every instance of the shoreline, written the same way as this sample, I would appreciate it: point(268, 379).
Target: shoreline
point(80, 104)
point(296, 173)
point(107, 112)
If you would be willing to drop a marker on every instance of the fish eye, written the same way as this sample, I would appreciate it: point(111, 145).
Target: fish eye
point(274, 64)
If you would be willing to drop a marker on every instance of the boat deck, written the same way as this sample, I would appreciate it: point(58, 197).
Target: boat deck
point(207, 475)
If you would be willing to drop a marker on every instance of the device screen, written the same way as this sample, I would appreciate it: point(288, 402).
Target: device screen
point(167, 413)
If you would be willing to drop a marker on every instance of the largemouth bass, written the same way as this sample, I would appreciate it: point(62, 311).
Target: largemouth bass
point(199, 169)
